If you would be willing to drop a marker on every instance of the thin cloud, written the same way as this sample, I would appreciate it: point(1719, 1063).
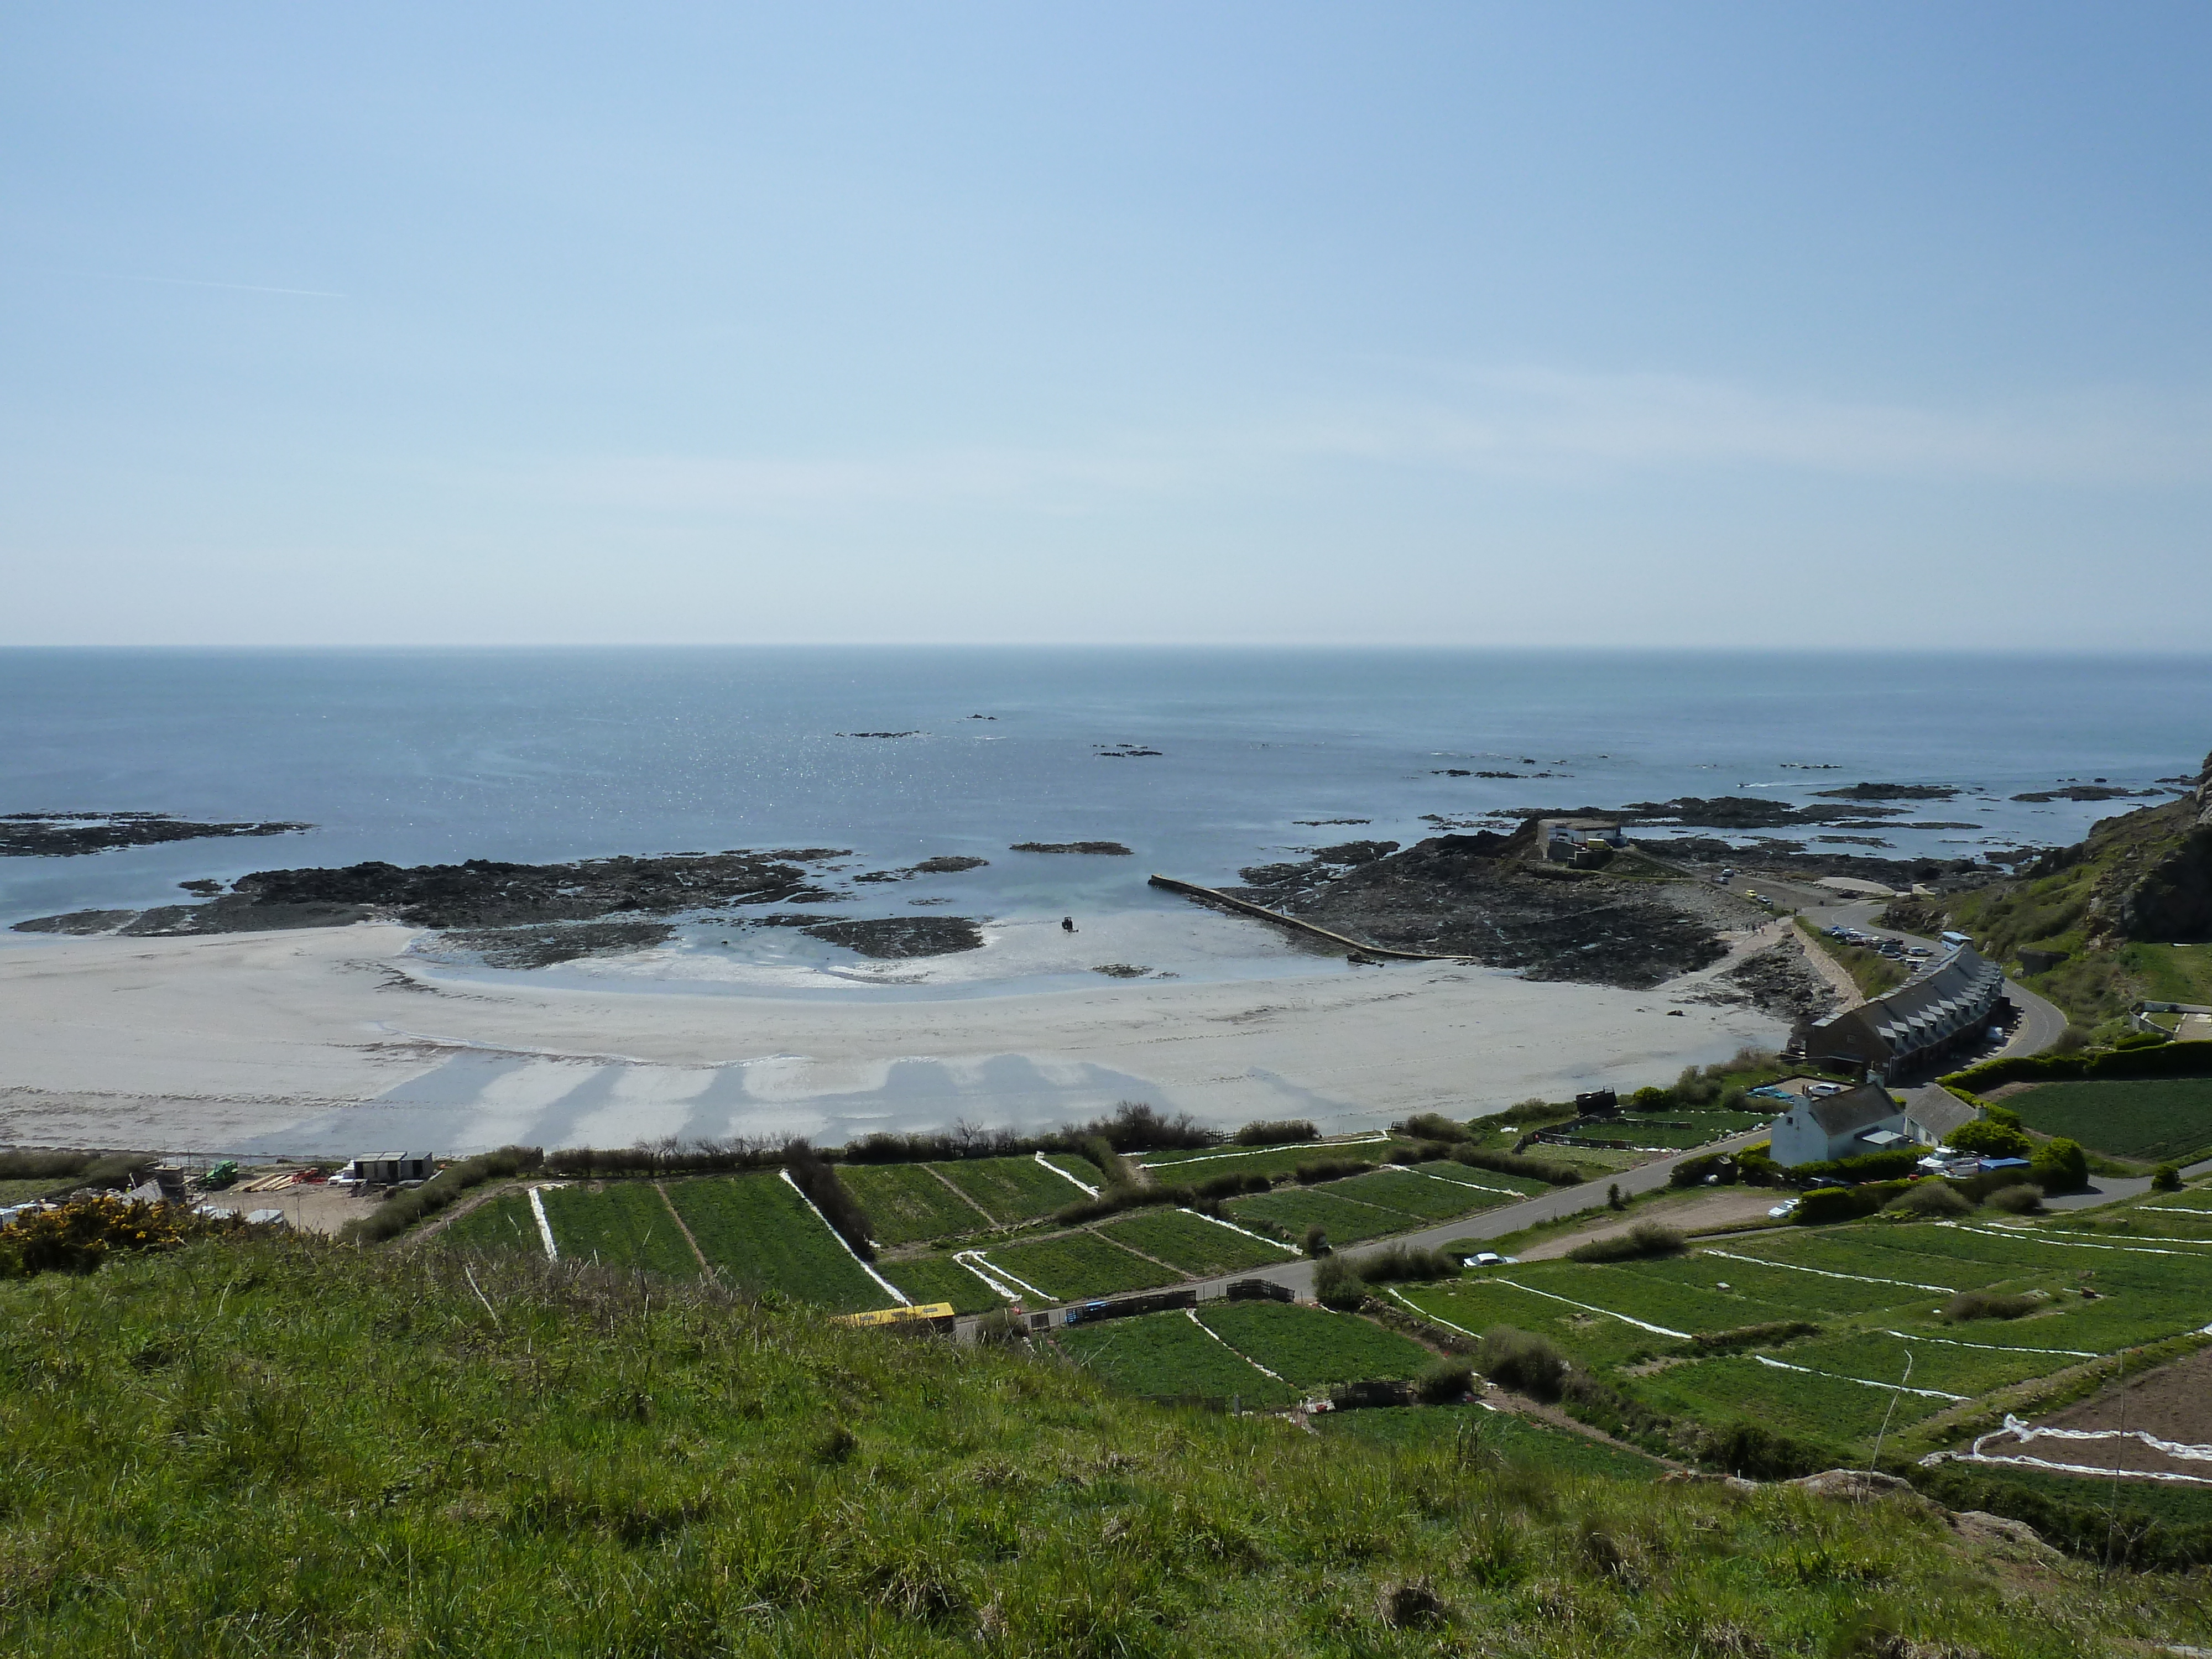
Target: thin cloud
point(1552, 422)
point(1531, 424)
point(235, 287)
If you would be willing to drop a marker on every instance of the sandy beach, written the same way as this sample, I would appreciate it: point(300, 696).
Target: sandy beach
point(330, 1042)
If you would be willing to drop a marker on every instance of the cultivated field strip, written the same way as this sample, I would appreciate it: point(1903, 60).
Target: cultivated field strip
point(627, 1224)
point(940, 1279)
point(1192, 1243)
point(906, 1204)
point(1346, 1221)
point(1076, 1266)
point(756, 1231)
point(1166, 1356)
point(1312, 1347)
point(1409, 1191)
point(1011, 1189)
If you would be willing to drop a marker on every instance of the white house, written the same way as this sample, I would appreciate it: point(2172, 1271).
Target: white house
point(1859, 1120)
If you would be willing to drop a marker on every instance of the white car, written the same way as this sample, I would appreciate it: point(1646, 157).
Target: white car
point(1786, 1207)
point(1488, 1259)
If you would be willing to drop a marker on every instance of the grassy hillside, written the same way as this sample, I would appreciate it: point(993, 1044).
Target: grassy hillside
point(2088, 902)
point(277, 1446)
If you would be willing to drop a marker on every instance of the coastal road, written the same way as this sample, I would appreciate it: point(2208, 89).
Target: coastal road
point(1553, 1206)
point(2041, 1023)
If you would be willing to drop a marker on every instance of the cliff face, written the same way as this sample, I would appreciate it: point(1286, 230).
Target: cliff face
point(2172, 900)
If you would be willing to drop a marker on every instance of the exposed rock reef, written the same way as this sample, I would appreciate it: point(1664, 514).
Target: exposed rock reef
point(1483, 895)
point(545, 946)
point(1108, 848)
point(480, 893)
point(67, 835)
point(903, 936)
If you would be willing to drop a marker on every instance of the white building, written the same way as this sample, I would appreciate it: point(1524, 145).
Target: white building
point(1859, 1120)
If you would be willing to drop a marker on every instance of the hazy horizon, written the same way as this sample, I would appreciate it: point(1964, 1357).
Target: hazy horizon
point(1483, 326)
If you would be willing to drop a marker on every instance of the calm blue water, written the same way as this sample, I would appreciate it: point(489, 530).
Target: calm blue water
point(416, 756)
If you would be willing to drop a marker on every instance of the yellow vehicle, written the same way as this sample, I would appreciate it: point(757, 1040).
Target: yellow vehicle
point(938, 1314)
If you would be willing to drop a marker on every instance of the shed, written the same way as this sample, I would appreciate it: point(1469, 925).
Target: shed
point(390, 1169)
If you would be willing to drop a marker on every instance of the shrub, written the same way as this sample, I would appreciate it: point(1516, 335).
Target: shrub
point(1332, 1168)
point(2060, 1166)
point(2141, 1040)
point(2020, 1199)
point(1989, 1304)
point(29, 1163)
point(403, 1210)
point(1991, 1140)
point(1929, 1198)
point(79, 1235)
point(1536, 1169)
point(1614, 1200)
point(1994, 1111)
point(1116, 1199)
point(816, 1178)
point(1316, 1241)
point(1231, 1186)
point(1402, 1261)
point(1136, 1126)
point(1645, 1239)
point(1277, 1132)
point(1768, 1335)
point(1338, 1285)
point(1826, 1204)
point(1000, 1327)
point(1442, 1381)
point(1868, 1166)
point(1432, 1125)
point(1692, 1171)
point(2166, 1179)
point(1526, 1364)
point(1421, 1151)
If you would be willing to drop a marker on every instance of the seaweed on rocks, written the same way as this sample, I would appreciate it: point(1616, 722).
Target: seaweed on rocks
point(479, 893)
point(69, 834)
point(546, 944)
point(1107, 848)
point(1478, 895)
point(903, 936)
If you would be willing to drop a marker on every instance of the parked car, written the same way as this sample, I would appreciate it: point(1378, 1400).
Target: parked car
point(1788, 1206)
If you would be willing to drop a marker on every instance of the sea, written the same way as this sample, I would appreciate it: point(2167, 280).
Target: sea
point(1201, 760)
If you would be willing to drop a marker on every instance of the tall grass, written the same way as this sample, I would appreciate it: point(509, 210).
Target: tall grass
point(277, 1446)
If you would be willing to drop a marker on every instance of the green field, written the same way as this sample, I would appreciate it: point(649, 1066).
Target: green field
point(2166, 1120)
point(1483, 1433)
point(504, 1223)
point(1876, 1290)
point(625, 1225)
point(906, 1205)
point(1164, 1356)
point(940, 1279)
point(1195, 1167)
point(757, 1232)
point(1427, 1198)
point(1309, 1346)
point(1081, 1168)
point(1477, 1305)
point(1295, 1208)
point(1197, 1246)
point(1821, 1410)
point(1011, 1189)
point(1077, 1267)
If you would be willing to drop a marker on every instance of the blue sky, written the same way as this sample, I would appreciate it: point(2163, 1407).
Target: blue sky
point(1448, 323)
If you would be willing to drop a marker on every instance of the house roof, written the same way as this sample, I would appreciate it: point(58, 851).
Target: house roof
point(1939, 1111)
point(1854, 1109)
point(1913, 1015)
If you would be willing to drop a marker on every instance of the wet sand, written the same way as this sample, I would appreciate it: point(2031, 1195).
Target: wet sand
point(333, 1041)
